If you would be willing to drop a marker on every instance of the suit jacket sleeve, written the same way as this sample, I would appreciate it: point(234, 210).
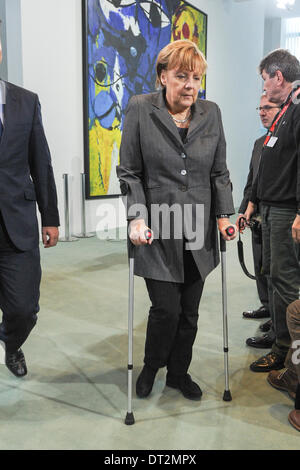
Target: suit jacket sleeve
point(130, 170)
point(42, 172)
point(248, 189)
point(297, 139)
point(221, 184)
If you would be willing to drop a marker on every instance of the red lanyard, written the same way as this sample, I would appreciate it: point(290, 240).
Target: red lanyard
point(271, 130)
point(282, 112)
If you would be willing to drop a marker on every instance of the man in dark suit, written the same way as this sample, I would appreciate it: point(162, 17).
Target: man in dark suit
point(267, 112)
point(26, 177)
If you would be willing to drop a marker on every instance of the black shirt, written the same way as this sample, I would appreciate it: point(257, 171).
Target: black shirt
point(278, 179)
point(183, 132)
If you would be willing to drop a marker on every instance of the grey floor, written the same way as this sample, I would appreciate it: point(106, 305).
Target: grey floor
point(74, 396)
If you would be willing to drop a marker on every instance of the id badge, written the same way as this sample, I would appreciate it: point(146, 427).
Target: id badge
point(272, 141)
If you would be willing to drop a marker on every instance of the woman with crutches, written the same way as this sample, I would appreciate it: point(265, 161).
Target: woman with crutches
point(173, 173)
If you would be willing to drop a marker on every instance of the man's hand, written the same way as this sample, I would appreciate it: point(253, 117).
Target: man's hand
point(251, 208)
point(240, 225)
point(50, 236)
point(296, 229)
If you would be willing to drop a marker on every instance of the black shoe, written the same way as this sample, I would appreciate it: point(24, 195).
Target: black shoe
point(263, 342)
point(270, 361)
point(261, 312)
point(15, 362)
point(297, 399)
point(145, 381)
point(266, 326)
point(184, 383)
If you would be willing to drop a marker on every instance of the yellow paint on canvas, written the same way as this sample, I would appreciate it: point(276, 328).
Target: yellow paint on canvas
point(102, 143)
point(188, 23)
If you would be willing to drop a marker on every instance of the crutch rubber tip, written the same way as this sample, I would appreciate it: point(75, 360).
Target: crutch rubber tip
point(227, 395)
point(129, 419)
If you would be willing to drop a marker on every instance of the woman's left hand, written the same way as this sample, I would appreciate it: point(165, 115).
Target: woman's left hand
point(223, 223)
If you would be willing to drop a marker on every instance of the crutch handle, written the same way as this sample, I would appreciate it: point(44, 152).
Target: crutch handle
point(222, 243)
point(148, 234)
point(230, 231)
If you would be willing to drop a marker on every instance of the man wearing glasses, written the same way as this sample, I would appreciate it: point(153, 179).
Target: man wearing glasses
point(277, 190)
point(267, 113)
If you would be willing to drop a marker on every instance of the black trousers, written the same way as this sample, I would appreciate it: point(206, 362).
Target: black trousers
point(20, 275)
point(172, 321)
point(261, 279)
point(281, 266)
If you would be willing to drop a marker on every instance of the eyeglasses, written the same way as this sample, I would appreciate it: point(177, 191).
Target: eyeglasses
point(266, 108)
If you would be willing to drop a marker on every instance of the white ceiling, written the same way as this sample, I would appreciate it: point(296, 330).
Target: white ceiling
point(271, 11)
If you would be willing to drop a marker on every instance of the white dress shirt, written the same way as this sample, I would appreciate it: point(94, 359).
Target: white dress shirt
point(2, 100)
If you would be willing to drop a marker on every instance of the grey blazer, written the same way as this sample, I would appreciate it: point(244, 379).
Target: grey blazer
point(157, 168)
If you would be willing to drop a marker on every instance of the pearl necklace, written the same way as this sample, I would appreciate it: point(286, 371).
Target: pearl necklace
point(181, 121)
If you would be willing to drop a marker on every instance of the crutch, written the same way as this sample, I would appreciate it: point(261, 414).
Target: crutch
point(129, 416)
point(230, 231)
point(131, 252)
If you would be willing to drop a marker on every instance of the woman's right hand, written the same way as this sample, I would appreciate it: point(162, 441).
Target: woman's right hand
point(137, 230)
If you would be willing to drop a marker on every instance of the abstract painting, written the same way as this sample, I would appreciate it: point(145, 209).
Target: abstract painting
point(121, 41)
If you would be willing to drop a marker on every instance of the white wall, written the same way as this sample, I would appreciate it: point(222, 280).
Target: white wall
point(11, 67)
point(272, 34)
point(235, 48)
point(14, 42)
point(52, 67)
point(3, 65)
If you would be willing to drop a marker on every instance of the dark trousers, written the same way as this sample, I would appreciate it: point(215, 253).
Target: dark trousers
point(261, 280)
point(20, 275)
point(281, 266)
point(172, 322)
